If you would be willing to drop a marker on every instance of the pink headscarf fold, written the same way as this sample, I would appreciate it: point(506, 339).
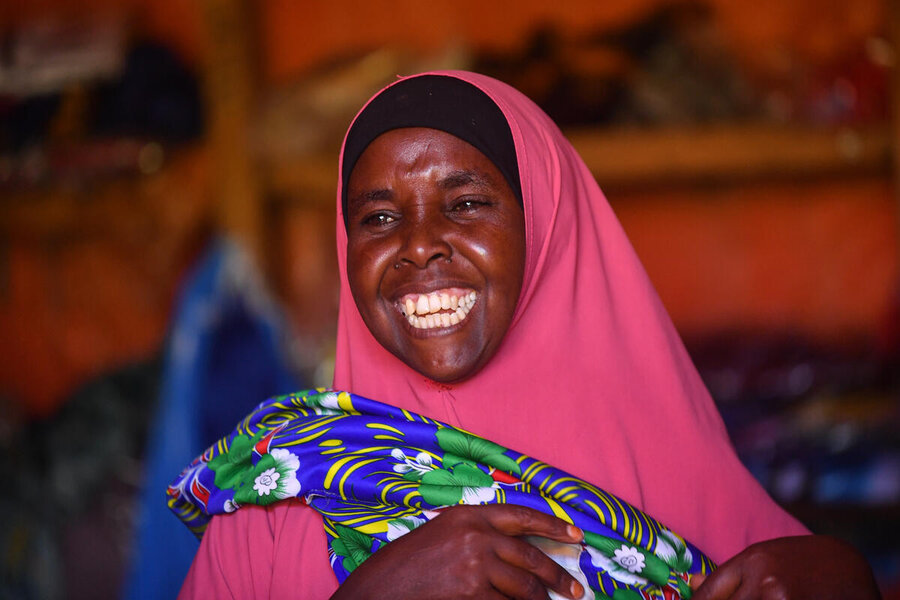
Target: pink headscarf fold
point(592, 376)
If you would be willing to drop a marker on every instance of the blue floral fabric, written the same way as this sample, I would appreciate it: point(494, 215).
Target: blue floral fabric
point(375, 472)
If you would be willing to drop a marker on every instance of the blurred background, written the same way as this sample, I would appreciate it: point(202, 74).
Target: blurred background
point(167, 178)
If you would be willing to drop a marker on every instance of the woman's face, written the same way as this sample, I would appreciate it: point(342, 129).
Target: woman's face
point(436, 250)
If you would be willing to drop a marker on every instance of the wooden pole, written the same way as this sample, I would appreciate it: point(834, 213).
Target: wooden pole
point(894, 32)
point(229, 84)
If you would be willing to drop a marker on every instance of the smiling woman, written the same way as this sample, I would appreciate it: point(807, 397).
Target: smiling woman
point(436, 250)
point(487, 287)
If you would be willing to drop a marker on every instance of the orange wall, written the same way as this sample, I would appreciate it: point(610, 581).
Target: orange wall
point(295, 35)
point(818, 259)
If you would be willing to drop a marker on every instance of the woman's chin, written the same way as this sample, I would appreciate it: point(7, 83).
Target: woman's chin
point(446, 369)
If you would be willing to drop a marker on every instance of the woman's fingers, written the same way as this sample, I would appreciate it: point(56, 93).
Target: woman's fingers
point(513, 582)
point(514, 520)
point(534, 570)
point(719, 585)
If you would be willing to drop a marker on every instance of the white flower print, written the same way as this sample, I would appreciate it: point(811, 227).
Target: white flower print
point(421, 464)
point(231, 506)
point(673, 551)
point(329, 400)
point(614, 569)
point(266, 482)
point(628, 557)
point(286, 464)
point(478, 495)
point(402, 526)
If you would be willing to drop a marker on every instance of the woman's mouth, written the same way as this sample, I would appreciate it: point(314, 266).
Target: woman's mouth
point(437, 309)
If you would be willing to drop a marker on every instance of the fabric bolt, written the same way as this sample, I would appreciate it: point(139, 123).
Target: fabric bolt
point(376, 472)
point(591, 376)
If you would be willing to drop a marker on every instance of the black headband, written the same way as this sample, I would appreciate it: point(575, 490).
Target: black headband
point(438, 102)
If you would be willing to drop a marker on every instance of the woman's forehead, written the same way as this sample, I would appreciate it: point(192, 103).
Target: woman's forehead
point(448, 161)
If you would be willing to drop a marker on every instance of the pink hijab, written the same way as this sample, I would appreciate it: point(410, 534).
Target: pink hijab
point(591, 376)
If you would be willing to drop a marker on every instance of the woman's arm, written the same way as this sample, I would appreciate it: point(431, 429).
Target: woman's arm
point(468, 552)
point(809, 566)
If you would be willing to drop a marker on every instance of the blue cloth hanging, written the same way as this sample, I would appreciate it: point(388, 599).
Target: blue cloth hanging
point(225, 351)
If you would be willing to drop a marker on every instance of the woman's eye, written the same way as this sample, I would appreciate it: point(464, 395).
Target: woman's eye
point(467, 205)
point(378, 219)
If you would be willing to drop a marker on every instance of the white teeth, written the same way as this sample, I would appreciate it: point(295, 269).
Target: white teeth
point(434, 303)
point(437, 309)
point(422, 305)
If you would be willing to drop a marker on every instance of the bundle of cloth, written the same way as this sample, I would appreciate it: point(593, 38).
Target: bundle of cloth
point(375, 472)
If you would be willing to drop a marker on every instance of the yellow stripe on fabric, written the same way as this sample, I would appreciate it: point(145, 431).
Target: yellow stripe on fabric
point(626, 533)
point(407, 499)
point(367, 517)
point(651, 534)
point(560, 481)
point(319, 423)
point(371, 449)
point(333, 451)
point(345, 402)
point(612, 513)
point(373, 528)
point(637, 527)
point(331, 443)
point(304, 440)
point(399, 484)
point(329, 529)
point(557, 509)
point(384, 436)
point(383, 426)
point(361, 463)
point(332, 472)
point(596, 509)
point(533, 470)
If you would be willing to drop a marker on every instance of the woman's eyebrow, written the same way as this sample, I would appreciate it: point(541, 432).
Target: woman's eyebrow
point(369, 196)
point(460, 178)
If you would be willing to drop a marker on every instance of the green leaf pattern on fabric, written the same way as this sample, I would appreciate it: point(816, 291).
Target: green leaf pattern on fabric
point(466, 447)
point(352, 546)
point(272, 478)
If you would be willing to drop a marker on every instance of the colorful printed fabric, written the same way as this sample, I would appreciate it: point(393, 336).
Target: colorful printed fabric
point(375, 472)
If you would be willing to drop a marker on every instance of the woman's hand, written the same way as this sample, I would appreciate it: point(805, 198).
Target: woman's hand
point(468, 552)
point(810, 566)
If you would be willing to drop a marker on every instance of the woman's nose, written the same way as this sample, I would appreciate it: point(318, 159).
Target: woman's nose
point(425, 241)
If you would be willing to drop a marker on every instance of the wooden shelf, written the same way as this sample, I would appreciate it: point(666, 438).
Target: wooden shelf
point(731, 153)
point(637, 158)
